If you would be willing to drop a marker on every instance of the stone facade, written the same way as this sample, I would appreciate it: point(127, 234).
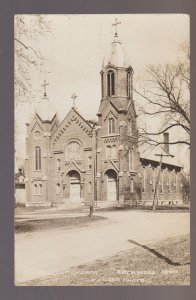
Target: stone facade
point(83, 161)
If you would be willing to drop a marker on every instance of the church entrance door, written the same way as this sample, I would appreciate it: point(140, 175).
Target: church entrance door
point(111, 185)
point(74, 177)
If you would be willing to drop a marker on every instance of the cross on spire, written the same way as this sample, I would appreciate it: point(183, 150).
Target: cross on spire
point(116, 24)
point(44, 86)
point(74, 96)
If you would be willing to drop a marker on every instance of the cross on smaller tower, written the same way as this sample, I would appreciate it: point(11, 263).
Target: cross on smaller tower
point(74, 99)
point(44, 85)
point(116, 24)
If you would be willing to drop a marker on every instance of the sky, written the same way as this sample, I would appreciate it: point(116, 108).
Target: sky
point(75, 51)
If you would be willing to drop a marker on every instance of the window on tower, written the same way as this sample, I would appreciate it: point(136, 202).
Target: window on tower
point(129, 84)
point(40, 189)
point(37, 158)
point(108, 152)
point(102, 85)
point(131, 160)
point(110, 84)
point(114, 152)
point(111, 126)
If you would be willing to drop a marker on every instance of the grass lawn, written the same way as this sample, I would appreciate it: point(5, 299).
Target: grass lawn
point(46, 224)
point(164, 263)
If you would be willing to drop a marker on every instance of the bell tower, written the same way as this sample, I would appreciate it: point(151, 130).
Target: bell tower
point(117, 148)
point(116, 75)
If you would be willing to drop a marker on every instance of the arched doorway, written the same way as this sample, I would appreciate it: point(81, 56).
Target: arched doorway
point(111, 181)
point(74, 185)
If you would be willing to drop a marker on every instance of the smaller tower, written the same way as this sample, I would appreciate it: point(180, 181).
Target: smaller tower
point(39, 152)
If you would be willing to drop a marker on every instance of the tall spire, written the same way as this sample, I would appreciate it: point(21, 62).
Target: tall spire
point(116, 56)
point(116, 24)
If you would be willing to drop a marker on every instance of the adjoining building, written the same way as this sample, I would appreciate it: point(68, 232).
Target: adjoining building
point(20, 197)
point(82, 161)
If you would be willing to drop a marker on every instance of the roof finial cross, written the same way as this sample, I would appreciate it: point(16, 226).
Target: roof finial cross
point(116, 24)
point(44, 85)
point(74, 99)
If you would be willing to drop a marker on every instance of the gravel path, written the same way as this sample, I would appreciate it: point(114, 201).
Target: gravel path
point(40, 254)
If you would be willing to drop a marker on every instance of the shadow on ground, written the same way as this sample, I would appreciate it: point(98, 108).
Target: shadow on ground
point(55, 223)
point(159, 255)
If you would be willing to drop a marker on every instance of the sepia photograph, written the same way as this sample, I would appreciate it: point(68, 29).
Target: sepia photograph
point(102, 149)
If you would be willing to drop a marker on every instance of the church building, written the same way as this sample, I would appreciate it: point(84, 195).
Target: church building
point(84, 162)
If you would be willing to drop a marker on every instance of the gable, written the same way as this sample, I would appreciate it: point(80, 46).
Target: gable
point(131, 110)
point(109, 112)
point(35, 124)
point(110, 165)
point(73, 124)
point(73, 166)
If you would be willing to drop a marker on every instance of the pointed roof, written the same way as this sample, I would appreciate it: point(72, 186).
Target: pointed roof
point(73, 166)
point(110, 165)
point(72, 115)
point(45, 109)
point(116, 56)
point(117, 104)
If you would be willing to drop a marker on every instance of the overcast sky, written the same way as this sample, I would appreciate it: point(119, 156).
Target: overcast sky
point(76, 49)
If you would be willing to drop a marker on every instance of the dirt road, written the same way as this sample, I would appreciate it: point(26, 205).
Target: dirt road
point(41, 254)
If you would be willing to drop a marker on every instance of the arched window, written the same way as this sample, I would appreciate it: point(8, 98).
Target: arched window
point(89, 187)
point(114, 151)
point(74, 151)
point(37, 158)
point(58, 188)
point(37, 135)
point(58, 165)
point(110, 84)
point(111, 126)
point(108, 152)
point(40, 189)
point(102, 95)
point(129, 84)
point(35, 189)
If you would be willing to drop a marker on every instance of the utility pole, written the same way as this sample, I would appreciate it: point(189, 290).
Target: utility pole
point(158, 177)
point(94, 183)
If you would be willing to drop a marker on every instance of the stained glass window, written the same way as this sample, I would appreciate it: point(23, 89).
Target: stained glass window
point(74, 151)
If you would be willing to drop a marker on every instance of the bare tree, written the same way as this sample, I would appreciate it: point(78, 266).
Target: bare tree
point(167, 97)
point(28, 57)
